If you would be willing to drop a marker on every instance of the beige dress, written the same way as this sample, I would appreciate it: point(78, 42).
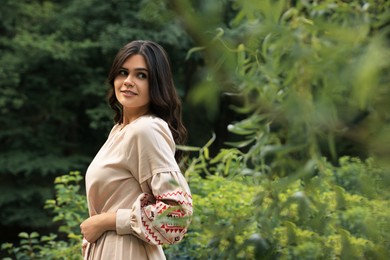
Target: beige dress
point(135, 175)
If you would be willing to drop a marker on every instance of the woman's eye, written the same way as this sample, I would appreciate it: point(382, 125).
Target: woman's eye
point(123, 73)
point(142, 76)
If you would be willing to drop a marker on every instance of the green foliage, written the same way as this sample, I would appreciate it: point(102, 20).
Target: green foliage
point(315, 74)
point(246, 215)
point(310, 80)
point(54, 58)
point(240, 214)
point(70, 209)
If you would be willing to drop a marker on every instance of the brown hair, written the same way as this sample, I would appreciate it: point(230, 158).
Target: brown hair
point(164, 100)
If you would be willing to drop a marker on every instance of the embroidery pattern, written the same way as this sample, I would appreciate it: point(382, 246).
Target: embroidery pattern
point(175, 195)
point(167, 229)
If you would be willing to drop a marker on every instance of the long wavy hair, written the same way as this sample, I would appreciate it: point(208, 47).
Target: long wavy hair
point(164, 100)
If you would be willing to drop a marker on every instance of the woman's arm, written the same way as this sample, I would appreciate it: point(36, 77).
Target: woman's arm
point(93, 227)
point(162, 217)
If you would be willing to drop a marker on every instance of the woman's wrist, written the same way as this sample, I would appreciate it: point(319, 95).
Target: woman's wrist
point(108, 221)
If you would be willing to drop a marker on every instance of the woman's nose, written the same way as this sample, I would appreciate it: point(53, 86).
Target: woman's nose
point(128, 81)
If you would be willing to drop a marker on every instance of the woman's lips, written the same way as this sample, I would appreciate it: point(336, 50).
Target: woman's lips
point(128, 93)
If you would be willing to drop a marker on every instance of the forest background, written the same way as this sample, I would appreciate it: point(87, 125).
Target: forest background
point(286, 102)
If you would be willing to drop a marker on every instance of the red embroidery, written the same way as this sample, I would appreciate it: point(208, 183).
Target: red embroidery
point(169, 231)
point(174, 194)
point(172, 227)
point(150, 231)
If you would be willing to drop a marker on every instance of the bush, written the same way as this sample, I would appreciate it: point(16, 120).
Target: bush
point(242, 214)
point(310, 81)
point(70, 209)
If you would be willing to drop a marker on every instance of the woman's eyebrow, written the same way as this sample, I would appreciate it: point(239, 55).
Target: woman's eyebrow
point(136, 69)
point(143, 69)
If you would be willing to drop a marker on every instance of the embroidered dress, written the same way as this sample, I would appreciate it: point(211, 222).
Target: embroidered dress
point(135, 175)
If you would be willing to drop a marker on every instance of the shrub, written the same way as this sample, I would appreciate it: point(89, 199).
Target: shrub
point(245, 215)
point(242, 214)
point(70, 209)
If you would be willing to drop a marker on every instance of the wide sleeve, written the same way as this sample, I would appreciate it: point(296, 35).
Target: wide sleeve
point(151, 149)
point(161, 217)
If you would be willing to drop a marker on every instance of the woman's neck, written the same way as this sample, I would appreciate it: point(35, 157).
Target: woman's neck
point(131, 115)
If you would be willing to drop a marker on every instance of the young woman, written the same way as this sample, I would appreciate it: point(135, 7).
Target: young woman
point(137, 197)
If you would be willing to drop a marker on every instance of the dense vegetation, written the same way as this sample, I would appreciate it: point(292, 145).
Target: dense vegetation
point(304, 85)
point(54, 58)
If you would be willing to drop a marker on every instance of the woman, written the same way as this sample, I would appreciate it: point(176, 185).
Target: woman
point(137, 197)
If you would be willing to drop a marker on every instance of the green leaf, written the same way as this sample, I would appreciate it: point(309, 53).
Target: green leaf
point(188, 148)
point(23, 235)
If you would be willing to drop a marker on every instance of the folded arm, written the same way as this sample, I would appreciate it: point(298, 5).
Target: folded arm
point(162, 217)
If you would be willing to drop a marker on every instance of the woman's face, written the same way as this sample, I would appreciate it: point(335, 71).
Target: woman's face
point(132, 86)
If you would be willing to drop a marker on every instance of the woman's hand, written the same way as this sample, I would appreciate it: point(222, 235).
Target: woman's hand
point(84, 245)
point(93, 227)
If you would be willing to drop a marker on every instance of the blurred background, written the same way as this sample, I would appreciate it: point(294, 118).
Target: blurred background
point(55, 56)
point(280, 92)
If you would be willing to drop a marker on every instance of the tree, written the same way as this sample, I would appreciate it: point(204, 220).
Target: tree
point(322, 61)
point(311, 81)
point(54, 58)
point(304, 78)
